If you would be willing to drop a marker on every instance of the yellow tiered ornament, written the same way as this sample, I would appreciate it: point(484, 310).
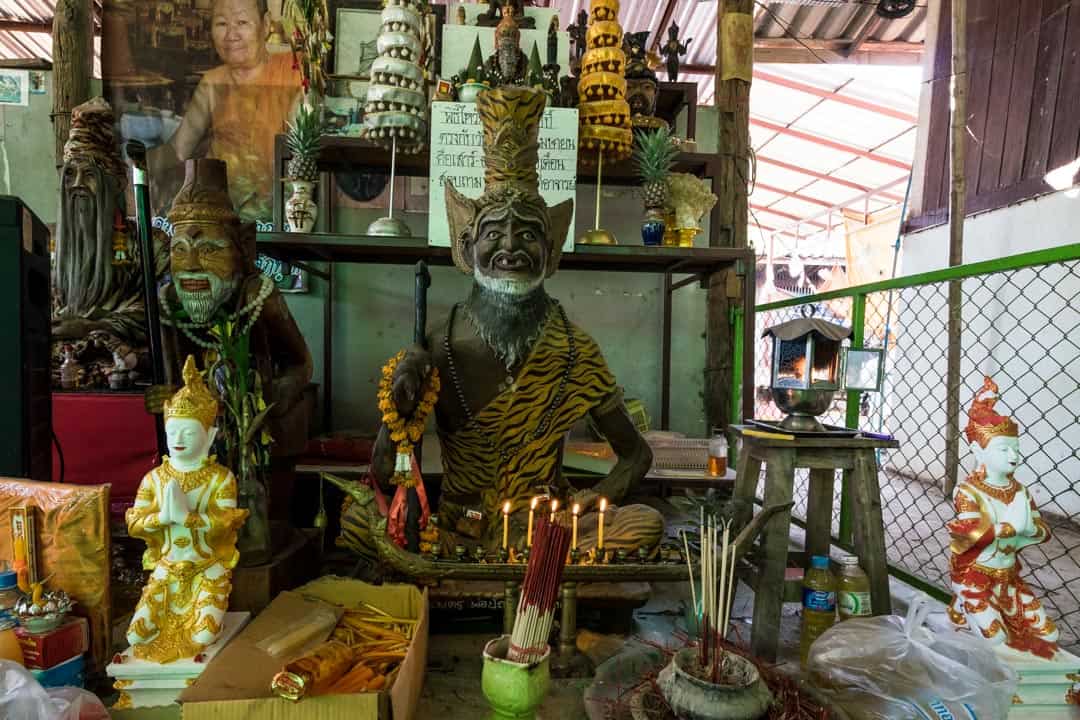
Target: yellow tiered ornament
point(604, 113)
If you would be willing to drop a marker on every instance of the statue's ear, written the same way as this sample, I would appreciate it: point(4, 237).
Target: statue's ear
point(460, 213)
point(559, 218)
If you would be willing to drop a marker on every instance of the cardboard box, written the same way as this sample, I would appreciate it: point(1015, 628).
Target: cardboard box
point(68, 673)
point(236, 683)
point(47, 650)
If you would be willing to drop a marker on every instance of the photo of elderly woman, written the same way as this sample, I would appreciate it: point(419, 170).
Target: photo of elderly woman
point(202, 78)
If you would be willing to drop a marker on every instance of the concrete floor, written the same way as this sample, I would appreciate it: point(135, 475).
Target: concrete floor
point(452, 686)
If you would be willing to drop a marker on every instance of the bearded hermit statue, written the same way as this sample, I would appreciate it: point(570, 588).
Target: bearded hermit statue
point(98, 304)
point(214, 278)
point(516, 374)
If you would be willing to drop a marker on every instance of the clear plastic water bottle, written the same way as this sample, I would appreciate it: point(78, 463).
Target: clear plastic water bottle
point(852, 590)
point(819, 603)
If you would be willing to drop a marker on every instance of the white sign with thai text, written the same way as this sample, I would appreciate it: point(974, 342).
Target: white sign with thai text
point(457, 155)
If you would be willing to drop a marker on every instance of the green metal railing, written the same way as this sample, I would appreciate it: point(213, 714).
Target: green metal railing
point(1021, 325)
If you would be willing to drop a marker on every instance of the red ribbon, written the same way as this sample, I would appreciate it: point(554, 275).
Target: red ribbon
point(399, 508)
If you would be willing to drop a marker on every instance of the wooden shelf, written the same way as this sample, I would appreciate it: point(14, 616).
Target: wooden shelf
point(352, 154)
point(406, 251)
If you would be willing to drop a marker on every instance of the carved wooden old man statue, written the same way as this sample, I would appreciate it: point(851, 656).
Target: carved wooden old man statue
point(214, 277)
point(212, 261)
point(98, 305)
point(516, 374)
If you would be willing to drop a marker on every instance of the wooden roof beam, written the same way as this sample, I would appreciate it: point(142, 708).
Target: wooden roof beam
point(831, 144)
point(787, 215)
point(794, 195)
point(766, 160)
point(835, 96)
point(870, 52)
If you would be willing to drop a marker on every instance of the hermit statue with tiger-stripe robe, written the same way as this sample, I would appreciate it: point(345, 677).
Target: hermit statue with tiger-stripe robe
point(515, 372)
point(996, 518)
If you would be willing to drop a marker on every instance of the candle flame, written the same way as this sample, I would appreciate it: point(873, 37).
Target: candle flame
point(534, 503)
point(603, 504)
point(554, 505)
point(506, 507)
point(576, 509)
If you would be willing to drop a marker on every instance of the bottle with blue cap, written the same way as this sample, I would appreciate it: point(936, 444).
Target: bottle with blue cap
point(819, 603)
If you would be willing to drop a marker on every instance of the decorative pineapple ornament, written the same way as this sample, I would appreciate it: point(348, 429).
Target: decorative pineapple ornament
point(303, 137)
point(655, 155)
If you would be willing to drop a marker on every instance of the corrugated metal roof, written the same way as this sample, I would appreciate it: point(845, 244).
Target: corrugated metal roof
point(843, 21)
point(28, 11)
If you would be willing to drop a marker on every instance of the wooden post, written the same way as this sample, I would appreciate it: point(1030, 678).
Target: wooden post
point(73, 60)
point(733, 110)
point(957, 196)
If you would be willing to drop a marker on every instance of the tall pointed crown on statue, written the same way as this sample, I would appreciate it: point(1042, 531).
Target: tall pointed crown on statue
point(510, 117)
point(204, 196)
point(508, 25)
point(194, 400)
point(984, 423)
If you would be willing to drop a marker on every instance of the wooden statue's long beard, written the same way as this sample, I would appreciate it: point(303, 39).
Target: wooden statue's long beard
point(83, 271)
point(508, 322)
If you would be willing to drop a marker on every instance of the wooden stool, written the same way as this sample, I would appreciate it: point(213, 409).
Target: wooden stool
point(822, 455)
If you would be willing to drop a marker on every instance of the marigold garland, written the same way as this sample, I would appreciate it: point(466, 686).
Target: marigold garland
point(406, 432)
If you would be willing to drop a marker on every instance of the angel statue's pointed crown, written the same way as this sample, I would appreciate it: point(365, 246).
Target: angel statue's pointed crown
point(194, 400)
point(984, 423)
point(511, 120)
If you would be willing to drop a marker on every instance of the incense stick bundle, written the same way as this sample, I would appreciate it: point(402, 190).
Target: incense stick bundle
point(717, 573)
point(540, 590)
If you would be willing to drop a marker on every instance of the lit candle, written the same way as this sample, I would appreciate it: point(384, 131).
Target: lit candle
point(554, 507)
point(532, 510)
point(573, 538)
point(506, 524)
point(600, 536)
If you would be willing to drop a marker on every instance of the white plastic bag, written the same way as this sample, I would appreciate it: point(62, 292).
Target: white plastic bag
point(23, 698)
point(888, 668)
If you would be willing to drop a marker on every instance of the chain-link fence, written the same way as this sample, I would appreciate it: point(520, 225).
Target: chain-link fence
point(1022, 327)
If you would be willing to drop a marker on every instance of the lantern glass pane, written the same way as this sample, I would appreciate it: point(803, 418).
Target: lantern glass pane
point(825, 364)
point(789, 363)
point(863, 369)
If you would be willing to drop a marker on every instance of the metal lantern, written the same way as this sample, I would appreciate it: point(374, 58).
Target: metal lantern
point(806, 369)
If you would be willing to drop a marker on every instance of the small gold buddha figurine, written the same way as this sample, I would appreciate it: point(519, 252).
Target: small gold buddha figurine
point(186, 512)
point(996, 518)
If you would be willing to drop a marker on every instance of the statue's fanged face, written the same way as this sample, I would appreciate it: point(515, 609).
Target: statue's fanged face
point(511, 249)
point(205, 267)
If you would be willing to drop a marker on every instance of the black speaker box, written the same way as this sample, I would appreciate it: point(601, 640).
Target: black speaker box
point(26, 398)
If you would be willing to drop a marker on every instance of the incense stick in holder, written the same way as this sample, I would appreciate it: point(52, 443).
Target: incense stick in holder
point(540, 590)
